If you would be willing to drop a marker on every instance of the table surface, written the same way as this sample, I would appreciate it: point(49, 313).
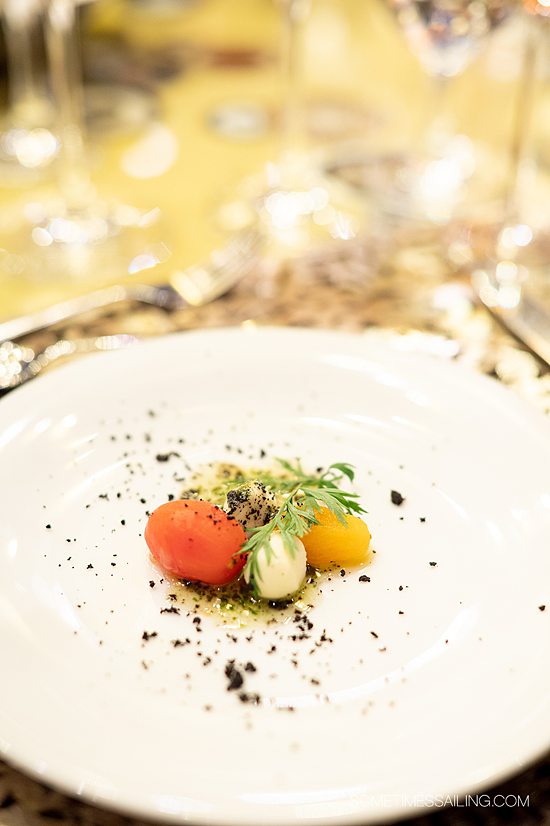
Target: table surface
point(401, 288)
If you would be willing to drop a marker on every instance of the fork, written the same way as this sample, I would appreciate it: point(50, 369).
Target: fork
point(194, 286)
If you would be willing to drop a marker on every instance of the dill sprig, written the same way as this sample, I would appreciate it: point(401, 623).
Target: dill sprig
point(303, 495)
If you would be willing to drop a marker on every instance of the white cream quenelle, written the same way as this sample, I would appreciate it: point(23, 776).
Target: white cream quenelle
point(284, 573)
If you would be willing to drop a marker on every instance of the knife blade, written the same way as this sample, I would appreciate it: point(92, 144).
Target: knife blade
point(528, 321)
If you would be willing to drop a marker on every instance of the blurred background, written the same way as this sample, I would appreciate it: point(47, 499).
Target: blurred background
point(421, 118)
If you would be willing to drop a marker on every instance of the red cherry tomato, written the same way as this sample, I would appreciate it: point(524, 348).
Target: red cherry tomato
point(192, 539)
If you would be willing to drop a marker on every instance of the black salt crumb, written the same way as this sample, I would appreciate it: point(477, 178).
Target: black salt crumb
point(48, 527)
point(88, 566)
point(433, 564)
point(542, 607)
point(151, 583)
point(364, 578)
point(247, 697)
point(422, 518)
point(397, 498)
point(234, 676)
point(148, 635)
point(374, 634)
point(164, 457)
point(250, 667)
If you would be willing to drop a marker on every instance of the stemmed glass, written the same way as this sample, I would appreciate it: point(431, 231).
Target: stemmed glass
point(295, 203)
point(505, 254)
point(445, 35)
point(76, 233)
point(26, 143)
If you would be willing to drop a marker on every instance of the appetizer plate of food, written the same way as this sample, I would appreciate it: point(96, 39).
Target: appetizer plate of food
point(272, 576)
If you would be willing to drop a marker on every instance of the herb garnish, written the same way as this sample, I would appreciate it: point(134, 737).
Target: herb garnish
point(303, 495)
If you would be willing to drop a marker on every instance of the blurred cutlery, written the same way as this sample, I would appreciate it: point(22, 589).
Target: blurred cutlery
point(527, 321)
point(193, 286)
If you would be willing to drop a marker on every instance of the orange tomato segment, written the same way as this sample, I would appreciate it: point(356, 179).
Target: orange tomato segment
point(333, 543)
point(192, 539)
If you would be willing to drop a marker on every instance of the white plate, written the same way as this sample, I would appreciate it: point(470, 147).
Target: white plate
point(452, 693)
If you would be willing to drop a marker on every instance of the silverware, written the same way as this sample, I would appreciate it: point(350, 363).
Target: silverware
point(164, 296)
point(191, 287)
point(527, 321)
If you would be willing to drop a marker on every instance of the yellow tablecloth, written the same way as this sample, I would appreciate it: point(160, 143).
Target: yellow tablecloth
point(353, 54)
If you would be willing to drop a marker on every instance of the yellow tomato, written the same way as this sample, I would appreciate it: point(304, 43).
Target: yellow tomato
point(333, 543)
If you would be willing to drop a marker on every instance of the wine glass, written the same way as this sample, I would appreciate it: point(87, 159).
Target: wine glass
point(27, 144)
point(76, 232)
point(505, 254)
point(445, 36)
point(294, 202)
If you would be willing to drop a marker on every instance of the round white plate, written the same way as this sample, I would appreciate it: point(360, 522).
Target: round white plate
point(431, 679)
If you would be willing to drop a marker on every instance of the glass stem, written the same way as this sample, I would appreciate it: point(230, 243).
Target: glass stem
point(26, 93)
point(521, 125)
point(293, 131)
point(63, 49)
point(439, 128)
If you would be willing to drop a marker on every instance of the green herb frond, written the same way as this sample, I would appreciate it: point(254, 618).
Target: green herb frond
point(301, 495)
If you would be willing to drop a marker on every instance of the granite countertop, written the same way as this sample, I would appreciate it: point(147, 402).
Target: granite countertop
point(412, 293)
